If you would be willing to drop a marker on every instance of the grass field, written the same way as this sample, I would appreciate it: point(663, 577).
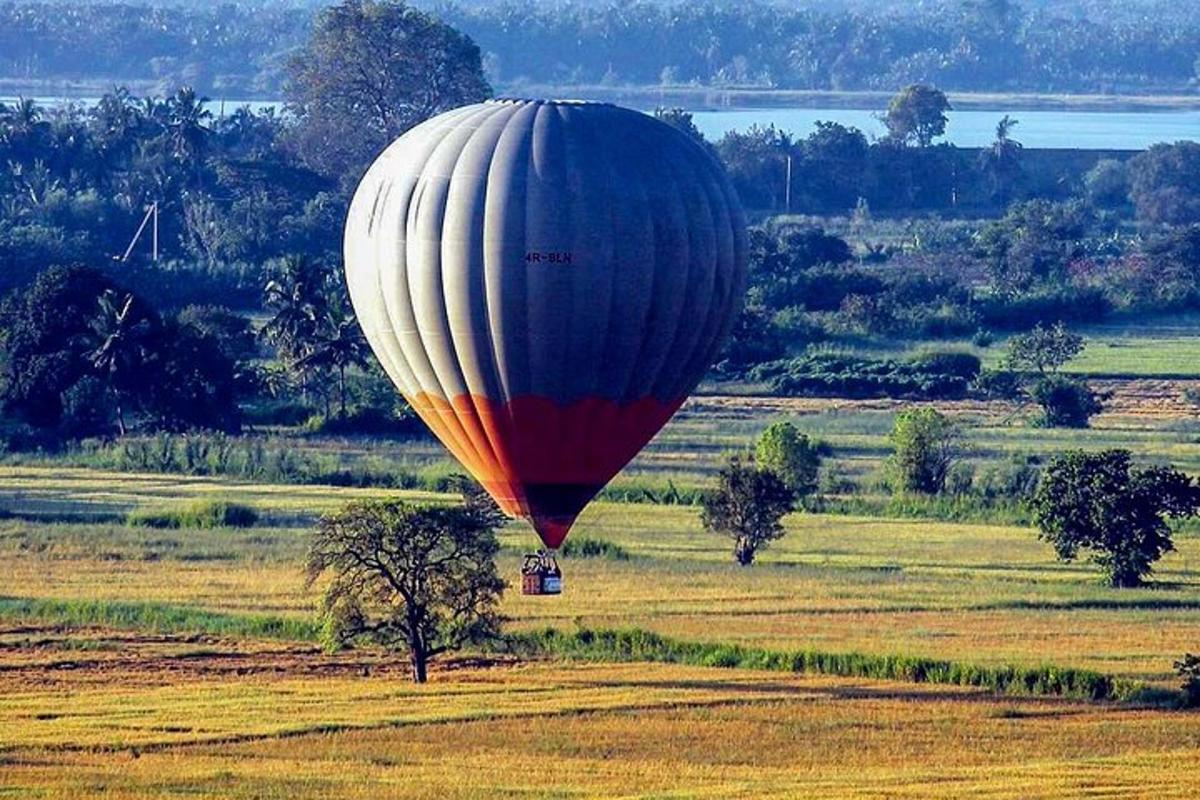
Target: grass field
point(212, 718)
point(138, 662)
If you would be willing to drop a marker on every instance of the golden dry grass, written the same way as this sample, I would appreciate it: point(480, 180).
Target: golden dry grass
point(162, 717)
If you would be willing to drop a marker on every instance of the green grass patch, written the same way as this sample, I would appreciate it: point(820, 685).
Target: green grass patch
point(587, 547)
point(197, 514)
point(641, 645)
point(154, 617)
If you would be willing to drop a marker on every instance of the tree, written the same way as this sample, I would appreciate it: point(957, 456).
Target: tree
point(1043, 349)
point(45, 335)
point(299, 299)
point(791, 455)
point(1100, 503)
point(1106, 185)
point(122, 348)
point(747, 506)
point(419, 579)
point(1164, 183)
point(1188, 668)
point(371, 71)
point(1034, 242)
point(925, 445)
point(1002, 161)
point(1065, 402)
point(338, 345)
point(917, 115)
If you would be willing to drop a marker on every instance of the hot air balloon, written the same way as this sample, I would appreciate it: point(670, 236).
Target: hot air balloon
point(545, 282)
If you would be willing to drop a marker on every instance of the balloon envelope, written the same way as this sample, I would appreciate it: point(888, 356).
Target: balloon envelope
point(545, 282)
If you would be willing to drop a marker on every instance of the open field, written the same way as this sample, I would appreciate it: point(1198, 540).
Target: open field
point(139, 717)
point(121, 687)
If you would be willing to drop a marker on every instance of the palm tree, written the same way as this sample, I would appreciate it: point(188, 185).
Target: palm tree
point(186, 124)
point(120, 335)
point(339, 345)
point(297, 295)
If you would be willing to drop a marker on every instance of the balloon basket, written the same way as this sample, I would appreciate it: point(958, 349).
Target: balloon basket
point(540, 574)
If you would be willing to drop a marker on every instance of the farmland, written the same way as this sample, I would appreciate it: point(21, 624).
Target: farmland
point(147, 662)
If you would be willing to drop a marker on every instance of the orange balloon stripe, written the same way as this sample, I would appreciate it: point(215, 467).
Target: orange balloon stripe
point(542, 460)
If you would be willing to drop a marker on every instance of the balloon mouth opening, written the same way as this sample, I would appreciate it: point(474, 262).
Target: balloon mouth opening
point(552, 532)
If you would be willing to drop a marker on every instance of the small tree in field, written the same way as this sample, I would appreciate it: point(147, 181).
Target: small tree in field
point(1045, 350)
point(925, 445)
point(747, 506)
point(418, 579)
point(791, 455)
point(1100, 503)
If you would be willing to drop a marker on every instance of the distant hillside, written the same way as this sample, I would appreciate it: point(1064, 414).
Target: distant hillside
point(1060, 46)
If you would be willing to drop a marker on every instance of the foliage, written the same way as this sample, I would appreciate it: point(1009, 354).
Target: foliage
point(1082, 47)
point(1100, 503)
point(1034, 243)
point(1163, 183)
point(1066, 402)
point(1043, 349)
point(418, 579)
point(79, 353)
point(925, 445)
point(641, 645)
point(747, 506)
point(791, 455)
point(830, 375)
point(587, 547)
point(199, 514)
point(371, 71)
point(917, 115)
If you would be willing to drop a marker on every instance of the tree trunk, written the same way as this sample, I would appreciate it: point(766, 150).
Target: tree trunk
point(743, 551)
point(419, 662)
point(342, 389)
point(120, 413)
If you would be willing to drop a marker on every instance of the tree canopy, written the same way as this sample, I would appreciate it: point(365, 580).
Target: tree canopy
point(1102, 504)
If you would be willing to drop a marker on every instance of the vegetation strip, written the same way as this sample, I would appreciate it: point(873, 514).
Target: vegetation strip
point(619, 646)
point(156, 617)
point(641, 645)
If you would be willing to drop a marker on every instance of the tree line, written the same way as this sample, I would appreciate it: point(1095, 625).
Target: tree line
point(981, 45)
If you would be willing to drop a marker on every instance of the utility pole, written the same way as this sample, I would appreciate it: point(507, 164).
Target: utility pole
point(151, 213)
point(787, 189)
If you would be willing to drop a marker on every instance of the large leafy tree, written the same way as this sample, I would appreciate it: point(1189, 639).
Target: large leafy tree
point(917, 115)
point(417, 579)
point(45, 332)
point(1101, 503)
point(748, 506)
point(371, 71)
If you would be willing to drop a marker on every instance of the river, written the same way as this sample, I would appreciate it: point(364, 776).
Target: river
point(1087, 130)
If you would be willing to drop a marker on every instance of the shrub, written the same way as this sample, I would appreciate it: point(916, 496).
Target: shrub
point(1066, 402)
point(925, 445)
point(830, 375)
point(949, 362)
point(584, 547)
point(199, 514)
point(791, 455)
point(368, 421)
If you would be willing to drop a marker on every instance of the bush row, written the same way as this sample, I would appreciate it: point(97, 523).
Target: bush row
point(945, 376)
point(640, 645)
point(198, 514)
